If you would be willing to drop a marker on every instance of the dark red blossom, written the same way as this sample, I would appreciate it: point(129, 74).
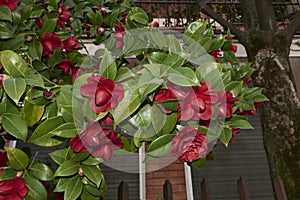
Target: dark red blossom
point(104, 94)
point(103, 11)
point(50, 42)
point(3, 159)
point(65, 66)
point(11, 4)
point(225, 103)
point(76, 72)
point(14, 189)
point(198, 104)
point(216, 54)
point(234, 131)
point(70, 44)
point(189, 145)
point(247, 80)
point(234, 48)
point(250, 112)
point(2, 78)
point(124, 18)
point(155, 24)
point(164, 95)
point(101, 142)
point(63, 15)
point(118, 35)
point(108, 120)
point(47, 94)
point(77, 145)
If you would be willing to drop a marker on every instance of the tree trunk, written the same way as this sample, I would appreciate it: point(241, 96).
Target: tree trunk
point(280, 118)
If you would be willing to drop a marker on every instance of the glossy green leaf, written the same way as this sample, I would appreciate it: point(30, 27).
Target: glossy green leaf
point(234, 87)
point(93, 173)
point(92, 161)
point(41, 172)
point(67, 168)
point(162, 123)
point(59, 156)
point(73, 188)
point(64, 97)
point(67, 130)
point(140, 17)
point(8, 107)
point(35, 49)
point(34, 80)
point(7, 174)
point(42, 134)
point(229, 56)
point(198, 163)
point(49, 26)
point(14, 88)
point(5, 14)
point(17, 158)
point(67, 113)
point(183, 76)
point(225, 136)
point(239, 123)
point(142, 118)
point(62, 184)
point(32, 113)
point(95, 18)
point(209, 72)
point(217, 42)
point(35, 187)
point(13, 43)
point(161, 146)
point(13, 64)
point(15, 125)
point(108, 67)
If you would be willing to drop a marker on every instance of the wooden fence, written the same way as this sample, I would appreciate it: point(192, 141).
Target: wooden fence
point(123, 190)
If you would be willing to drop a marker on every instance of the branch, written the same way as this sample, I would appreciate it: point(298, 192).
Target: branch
point(241, 36)
point(292, 28)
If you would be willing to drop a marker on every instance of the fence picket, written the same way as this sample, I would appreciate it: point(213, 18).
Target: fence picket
point(279, 189)
point(168, 191)
point(205, 190)
point(243, 189)
point(123, 191)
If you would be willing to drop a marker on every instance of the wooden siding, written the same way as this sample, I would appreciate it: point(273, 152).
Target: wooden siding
point(245, 157)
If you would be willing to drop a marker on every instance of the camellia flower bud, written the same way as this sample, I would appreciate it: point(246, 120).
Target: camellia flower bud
point(80, 172)
point(101, 31)
point(103, 11)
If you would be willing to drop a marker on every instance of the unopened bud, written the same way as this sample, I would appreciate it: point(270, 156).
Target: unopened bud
point(101, 31)
point(103, 11)
point(80, 172)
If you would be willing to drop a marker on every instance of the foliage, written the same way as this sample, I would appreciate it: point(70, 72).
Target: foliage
point(55, 94)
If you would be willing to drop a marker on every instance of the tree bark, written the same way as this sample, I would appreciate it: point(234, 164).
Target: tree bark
point(280, 119)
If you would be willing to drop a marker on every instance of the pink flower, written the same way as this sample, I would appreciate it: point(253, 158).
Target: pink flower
point(189, 145)
point(101, 142)
point(225, 103)
point(104, 94)
point(118, 35)
point(108, 120)
point(198, 104)
point(77, 145)
point(66, 66)
point(63, 15)
point(15, 189)
point(50, 42)
point(70, 44)
point(11, 4)
point(76, 72)
point(250, 112)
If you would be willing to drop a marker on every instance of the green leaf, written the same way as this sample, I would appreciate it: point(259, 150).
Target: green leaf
point(209, 72)
point(5, 14)
point(13, 64)
point(35, 49)
point(8, 107)
point(67, 113)
point(234, 87)
point(239, 123)
point(67, 130)
point(162, 123)
point(183, 76)
point(49, 26)
point(73, 188)
point(17, 158)
point(14, 88)
point(12, 44)
point(92, 161)
point(15, 125)
point(64, 97)
point(67, 168)
point(42, 135)
point(198, 163)
point(229, 56)
point(140, 17)
point(32, 113)
point(127, 105)
point(108, 67)
point(34, 80)
point(7, 174)
point(142, 118)
point(59, 156)
point(217, 42)
point(41, 172)
point(61, 184)
point(161, 146)
point(225, 136)
point(93, 173)
point(95, 18)
point(35, 187)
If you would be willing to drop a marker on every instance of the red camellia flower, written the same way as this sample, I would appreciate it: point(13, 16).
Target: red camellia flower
point(234, 131)
point(101, 142)
point(118, 35)
point(47, 94)
point(3, 158)
point(198, 104)
point(234, 48)
point(76, 72)
point(14, 189)
point(216, 54)
point(189, 145)
point(104, 94)
point(70, 44)
point(66, 66)
point(63, 15)
point(108, 120)
point(225, 103)
point(50, 42)
point(11, 4)
point(77, 145)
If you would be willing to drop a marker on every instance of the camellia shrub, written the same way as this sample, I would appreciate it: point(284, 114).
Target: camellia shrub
point(141, 86)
